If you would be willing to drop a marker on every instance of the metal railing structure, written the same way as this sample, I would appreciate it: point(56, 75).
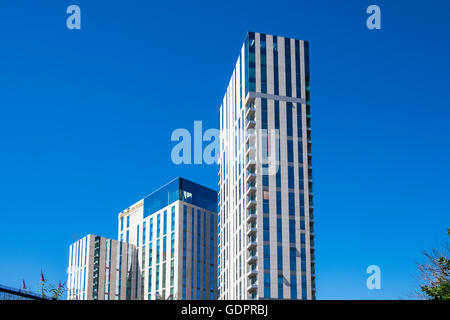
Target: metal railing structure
point(9, 293)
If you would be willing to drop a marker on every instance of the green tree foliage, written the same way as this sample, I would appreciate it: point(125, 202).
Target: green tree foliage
point(51, 291)
point(435, 274)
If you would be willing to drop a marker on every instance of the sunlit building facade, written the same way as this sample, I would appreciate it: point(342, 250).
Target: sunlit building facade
point(175, 232)
point(101, 269)
point(266, 235)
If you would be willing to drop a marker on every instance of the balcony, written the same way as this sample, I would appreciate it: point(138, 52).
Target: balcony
point(251, 189)
point(250, 137)
point(251, 175)
point(250, 162)
point(253, 272)
point(251, 230)
point(251, 244)
point(252, 287)
point(252, 257)
point(250, 151)
point(251, 202)
point(251, 216)
point(250, 111)
point(250, 124)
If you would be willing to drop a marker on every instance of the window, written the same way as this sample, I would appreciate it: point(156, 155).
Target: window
point(289, 119)
point(266, 285)
point(172, 273)
point(275, 66)
point(292, 231)
point(304, 287)
point(164, 248)
point(287, 58)
point(165, 223)
point(137, 235)
point(293, 286)
point(150, 280)
point(266, 257)
point(157, 276)
point(266, 230)
point(172, 219)
point(280, 287)
point(263, 63)
point(293, 259)
point(172, 245)
point(265, 178)
point(290, 148)
point(299, 120)
point(278, 202)
point(280, 258)
point(291, 179)
point(297, 69)
point(250, 62)
point(264, 114)
point(291, 204)
point(151, 229)
point(265, 201)
point(150, 254)
point(157, 251)
point(158, 225)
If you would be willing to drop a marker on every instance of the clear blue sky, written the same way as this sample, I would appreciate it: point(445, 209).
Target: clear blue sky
point(86, 118)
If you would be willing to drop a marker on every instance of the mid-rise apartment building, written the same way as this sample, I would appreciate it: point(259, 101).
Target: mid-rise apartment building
point(101, 269)
point(175, 232)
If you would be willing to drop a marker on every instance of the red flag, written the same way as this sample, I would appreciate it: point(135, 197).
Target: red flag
point(59, 284)
point(23, 284)
point(42, 276)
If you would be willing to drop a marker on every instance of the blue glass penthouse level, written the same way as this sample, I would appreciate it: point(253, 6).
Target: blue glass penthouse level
point(180, 189)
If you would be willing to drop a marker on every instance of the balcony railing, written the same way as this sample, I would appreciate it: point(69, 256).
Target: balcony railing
point(250, 110)
point(251, 230)
point(251, 216)
point(252, 287)
point(250, 124)
point(250, 137)
point(251, 174)
point(252, 272)
point(252, 256)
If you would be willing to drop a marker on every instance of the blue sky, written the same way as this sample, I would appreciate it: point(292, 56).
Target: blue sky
point(86, 118)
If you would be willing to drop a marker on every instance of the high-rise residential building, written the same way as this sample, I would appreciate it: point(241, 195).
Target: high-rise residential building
point(266, 236)
point(175, 232)
point(101, 269)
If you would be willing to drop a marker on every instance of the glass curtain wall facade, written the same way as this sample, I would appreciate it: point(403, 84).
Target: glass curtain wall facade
point(175, 232)
point(266, 235)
